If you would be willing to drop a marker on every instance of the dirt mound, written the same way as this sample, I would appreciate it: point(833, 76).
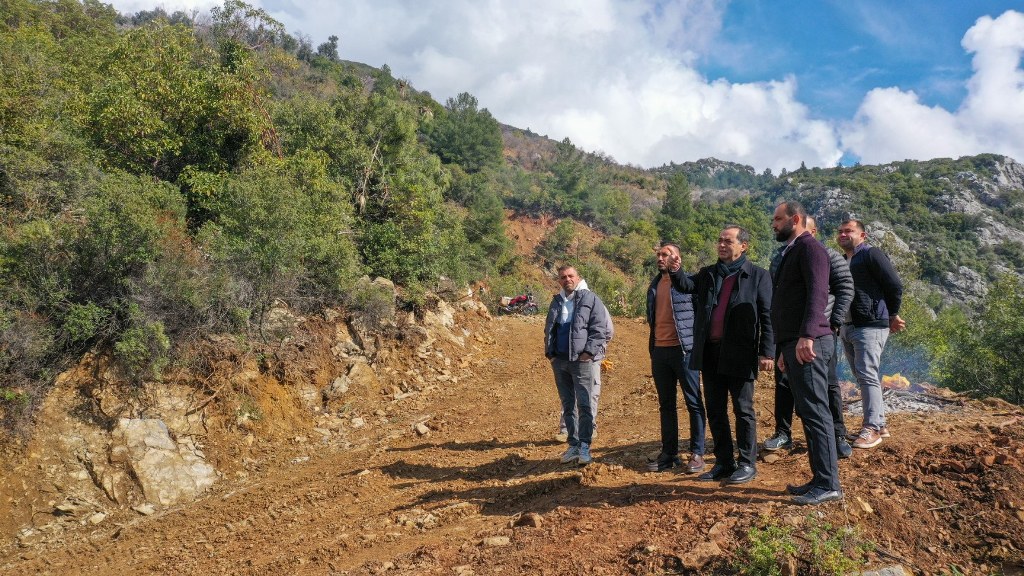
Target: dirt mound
point(461, 477)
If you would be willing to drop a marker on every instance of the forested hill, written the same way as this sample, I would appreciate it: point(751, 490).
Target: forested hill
point(163, 178)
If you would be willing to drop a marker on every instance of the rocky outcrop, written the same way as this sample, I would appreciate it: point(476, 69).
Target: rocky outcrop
point(1009, 174)
point(965, 285)
point(113, 447)
point(169, 472)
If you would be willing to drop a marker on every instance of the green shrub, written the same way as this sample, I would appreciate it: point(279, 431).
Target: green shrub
point(836, 549)
point(982, 355)
point(374, 299)
point(561, 243)
point(766, 549)
point(822, 549)
point(83, 322)
point(142, 349)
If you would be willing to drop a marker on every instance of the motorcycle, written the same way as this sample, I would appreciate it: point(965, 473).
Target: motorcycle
point(521, 304)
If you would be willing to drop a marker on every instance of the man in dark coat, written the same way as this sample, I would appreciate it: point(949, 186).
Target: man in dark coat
point(732, 341)
point(805, 346)
point(840, 294)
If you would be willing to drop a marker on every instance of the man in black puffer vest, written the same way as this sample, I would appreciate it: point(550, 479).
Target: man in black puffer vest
point(670, 316)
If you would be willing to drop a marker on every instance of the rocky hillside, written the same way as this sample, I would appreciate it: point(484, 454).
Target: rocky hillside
point(958, 224)
point(962, 221)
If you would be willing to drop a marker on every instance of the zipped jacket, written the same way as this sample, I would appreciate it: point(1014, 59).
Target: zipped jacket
point(682, 313)
point(877, 289)
point(590, 325)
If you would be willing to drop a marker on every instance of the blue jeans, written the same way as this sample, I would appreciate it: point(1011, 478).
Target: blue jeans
point(670, 365)
point(863, 348)
point(575, 383)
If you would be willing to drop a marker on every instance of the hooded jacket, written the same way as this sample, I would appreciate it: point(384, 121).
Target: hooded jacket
point(590, 324)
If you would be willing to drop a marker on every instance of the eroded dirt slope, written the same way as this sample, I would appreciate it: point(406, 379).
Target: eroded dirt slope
point(945, 490)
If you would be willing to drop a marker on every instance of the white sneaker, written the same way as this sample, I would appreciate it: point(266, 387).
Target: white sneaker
point(584, 455)
point(571, 455)
point(562, 436)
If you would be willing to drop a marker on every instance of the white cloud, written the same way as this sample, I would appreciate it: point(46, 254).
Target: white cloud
point(610, 75)
point(894, 125)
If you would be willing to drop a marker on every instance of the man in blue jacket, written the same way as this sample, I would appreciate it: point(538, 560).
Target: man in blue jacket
point(574, 333)
point(670, 316)
point(877, 295)
point(805, 345)
point(732, 340)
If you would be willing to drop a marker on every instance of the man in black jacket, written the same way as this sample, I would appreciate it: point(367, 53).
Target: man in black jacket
point(733, 339)
point(840, 294)
point(874, 313)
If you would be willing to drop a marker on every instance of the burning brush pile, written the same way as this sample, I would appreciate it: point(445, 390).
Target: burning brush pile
point(900, 395)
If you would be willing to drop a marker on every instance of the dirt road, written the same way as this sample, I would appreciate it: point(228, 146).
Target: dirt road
point(396, 502)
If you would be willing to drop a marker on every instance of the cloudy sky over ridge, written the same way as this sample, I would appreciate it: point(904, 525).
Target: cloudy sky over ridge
point(765, 83)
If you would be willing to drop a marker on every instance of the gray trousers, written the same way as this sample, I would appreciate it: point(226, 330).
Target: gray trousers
point(575, 383)
point(594, 397)
point(863, 348)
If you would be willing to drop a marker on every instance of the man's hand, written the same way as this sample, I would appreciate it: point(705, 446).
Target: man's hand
point(897, 324)
point(585, 357)
point(765, 363)
point(805, 351)
point(781, 364)
point(674, 262)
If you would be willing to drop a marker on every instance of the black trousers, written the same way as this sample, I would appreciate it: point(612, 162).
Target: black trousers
point(784, 402)
point(718, 388)
point(809, 384)
point(669, 366)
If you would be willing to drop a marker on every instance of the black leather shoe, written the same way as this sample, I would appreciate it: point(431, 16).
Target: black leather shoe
point(658, 456)
point(799, 490)
point(717, 472)
point(665, 463)
point(816, 496)
point(843, 448)
point(742, 475)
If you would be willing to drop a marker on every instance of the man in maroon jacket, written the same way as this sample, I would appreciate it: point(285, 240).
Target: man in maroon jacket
point(804, 346)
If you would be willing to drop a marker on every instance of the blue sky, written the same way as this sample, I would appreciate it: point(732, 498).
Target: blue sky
point(839, 50)
point(771, 84)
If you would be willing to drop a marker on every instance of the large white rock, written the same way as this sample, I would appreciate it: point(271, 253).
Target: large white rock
point(168, 472)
